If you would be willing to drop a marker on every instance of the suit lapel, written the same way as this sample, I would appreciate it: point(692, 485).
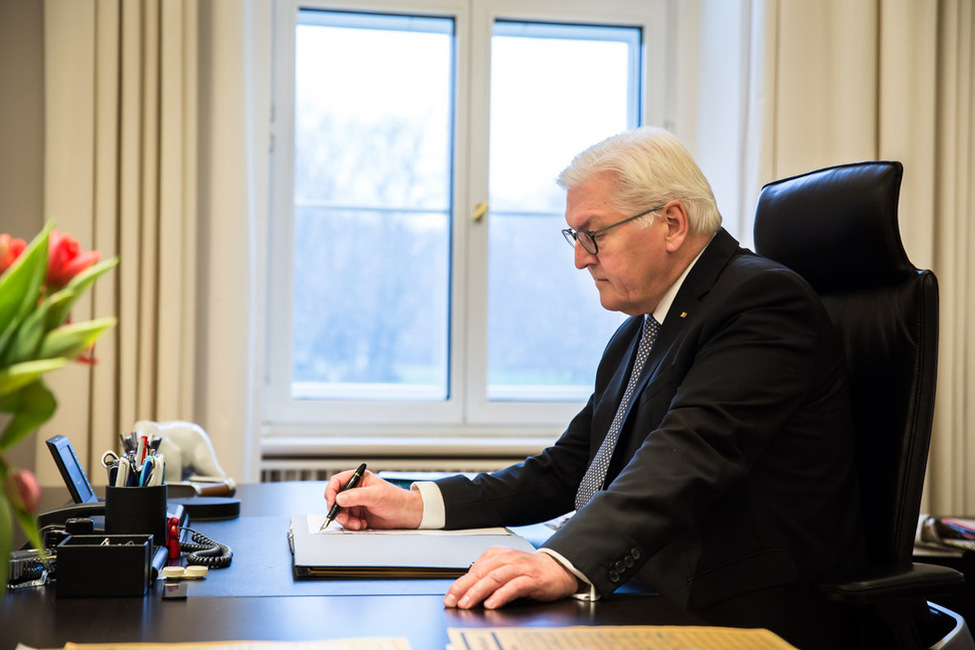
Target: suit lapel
point(696, 286)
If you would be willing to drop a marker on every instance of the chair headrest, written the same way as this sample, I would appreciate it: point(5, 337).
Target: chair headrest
point(836, 227)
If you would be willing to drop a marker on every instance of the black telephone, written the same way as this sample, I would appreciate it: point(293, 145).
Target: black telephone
point(201, 550)
point(86, 503)
point(71, 471)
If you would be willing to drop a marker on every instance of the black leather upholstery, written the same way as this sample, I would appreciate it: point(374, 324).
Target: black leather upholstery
point(837, 227)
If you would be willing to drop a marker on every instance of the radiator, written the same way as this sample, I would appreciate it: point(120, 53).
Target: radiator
point(298, 458)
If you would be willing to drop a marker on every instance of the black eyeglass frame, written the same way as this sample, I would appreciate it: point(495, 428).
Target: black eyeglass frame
point(572, 236)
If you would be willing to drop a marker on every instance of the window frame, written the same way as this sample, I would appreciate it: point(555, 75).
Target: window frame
point(467, 413)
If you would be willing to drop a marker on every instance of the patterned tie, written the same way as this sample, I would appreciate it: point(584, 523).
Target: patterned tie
point(596, 473)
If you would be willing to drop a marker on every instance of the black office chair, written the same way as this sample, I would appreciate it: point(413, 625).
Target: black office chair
point(837, 227)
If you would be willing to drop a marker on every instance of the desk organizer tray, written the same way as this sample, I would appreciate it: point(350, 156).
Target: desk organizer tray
point(103, 566)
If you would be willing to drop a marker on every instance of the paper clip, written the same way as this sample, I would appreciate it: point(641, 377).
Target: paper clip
point(110, 462)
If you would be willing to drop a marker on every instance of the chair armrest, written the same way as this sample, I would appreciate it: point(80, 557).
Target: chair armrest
point(893, 582)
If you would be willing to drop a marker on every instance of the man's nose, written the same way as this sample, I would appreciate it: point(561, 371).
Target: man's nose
point(583, 258)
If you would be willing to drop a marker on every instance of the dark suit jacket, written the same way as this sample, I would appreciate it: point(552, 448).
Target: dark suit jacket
point(734, 467)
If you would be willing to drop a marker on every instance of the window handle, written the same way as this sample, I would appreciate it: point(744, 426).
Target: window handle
point(479, 211)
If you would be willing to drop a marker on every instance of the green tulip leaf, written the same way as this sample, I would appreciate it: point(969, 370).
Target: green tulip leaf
point(31, 406)
point(20, 286)
point(73, 340)
point(63, 301)
point(28, 524)
point(6, 528)
point(27, 338)
point(19, 375)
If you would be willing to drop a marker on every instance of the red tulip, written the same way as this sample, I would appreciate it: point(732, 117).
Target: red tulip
point(10, 249)
point(66, 260)
point(23, 484)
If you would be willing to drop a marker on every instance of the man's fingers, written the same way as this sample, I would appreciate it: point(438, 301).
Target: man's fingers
point(349, 522)
point(486, 576)
point(518, 587)
point(460, 587)
point(471, 593)
point(502, 575)
point(369, 493)
point(364, 497)
point(335, 485)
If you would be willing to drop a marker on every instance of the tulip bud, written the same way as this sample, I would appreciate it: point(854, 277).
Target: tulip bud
point(66, 260)
point(10, 250)
point(23, 490)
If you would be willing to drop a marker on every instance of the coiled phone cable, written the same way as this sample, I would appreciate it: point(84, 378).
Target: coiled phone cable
point(204, 551)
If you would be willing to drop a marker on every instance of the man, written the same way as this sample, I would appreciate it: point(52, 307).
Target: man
point(727, 481)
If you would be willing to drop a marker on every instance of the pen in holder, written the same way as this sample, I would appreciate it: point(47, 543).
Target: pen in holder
point(136, 511)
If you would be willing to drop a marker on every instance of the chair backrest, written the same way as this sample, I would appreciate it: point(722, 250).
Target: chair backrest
point(837, 227)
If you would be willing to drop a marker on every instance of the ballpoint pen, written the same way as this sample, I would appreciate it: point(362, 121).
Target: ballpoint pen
point(354, 481)
point(122, 475)
point(140, 453)
point(148, 469)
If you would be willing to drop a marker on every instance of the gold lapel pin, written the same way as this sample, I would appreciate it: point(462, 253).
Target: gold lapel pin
point(683, 314)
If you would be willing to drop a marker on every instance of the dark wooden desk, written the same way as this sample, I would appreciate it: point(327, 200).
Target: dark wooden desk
point(256, 598)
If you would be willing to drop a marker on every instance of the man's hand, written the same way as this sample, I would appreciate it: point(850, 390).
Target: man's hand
point(374, 503)
point(502, 575)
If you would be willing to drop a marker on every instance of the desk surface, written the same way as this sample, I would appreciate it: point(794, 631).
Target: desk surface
point(256, 598)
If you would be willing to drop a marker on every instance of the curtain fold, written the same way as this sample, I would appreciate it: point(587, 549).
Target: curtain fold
point(838, 82)
point(952, 485)
point(120, 173)
point(234, 119)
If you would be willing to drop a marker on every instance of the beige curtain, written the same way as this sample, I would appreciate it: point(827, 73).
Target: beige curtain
point(951, 480)
point(836, 81)
point(154, 126)
point(120, 175)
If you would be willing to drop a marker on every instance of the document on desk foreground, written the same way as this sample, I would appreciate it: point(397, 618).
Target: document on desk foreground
point(614, 637)
point(336, 552)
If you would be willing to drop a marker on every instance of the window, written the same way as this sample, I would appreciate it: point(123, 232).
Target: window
point(372, 189)
point(418, 279)
point(555, 89)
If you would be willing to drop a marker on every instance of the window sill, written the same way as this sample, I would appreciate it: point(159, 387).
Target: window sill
point(403, 446)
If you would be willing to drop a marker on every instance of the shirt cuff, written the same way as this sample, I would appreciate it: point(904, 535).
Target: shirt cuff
point(586, 589)
point(434, 512)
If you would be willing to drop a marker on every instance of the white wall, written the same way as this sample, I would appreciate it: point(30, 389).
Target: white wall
point(710, 104)
point(21, 116)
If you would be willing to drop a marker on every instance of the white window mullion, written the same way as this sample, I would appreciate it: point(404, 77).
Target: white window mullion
point(476, 289)
point(279, 296)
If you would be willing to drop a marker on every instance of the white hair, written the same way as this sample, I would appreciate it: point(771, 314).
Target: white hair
point(650, 166)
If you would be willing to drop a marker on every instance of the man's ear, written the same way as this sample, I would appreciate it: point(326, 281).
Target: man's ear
point(678, 225)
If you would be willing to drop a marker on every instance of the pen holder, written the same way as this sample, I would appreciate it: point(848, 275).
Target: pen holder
point(136, 511)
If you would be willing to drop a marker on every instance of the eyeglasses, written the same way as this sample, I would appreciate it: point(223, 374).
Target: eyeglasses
point(588, 237)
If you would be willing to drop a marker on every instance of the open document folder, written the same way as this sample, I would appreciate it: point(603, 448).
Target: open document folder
point(337, 552)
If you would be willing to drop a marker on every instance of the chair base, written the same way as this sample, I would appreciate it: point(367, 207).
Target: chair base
point(911, 626)
point(959, 637)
